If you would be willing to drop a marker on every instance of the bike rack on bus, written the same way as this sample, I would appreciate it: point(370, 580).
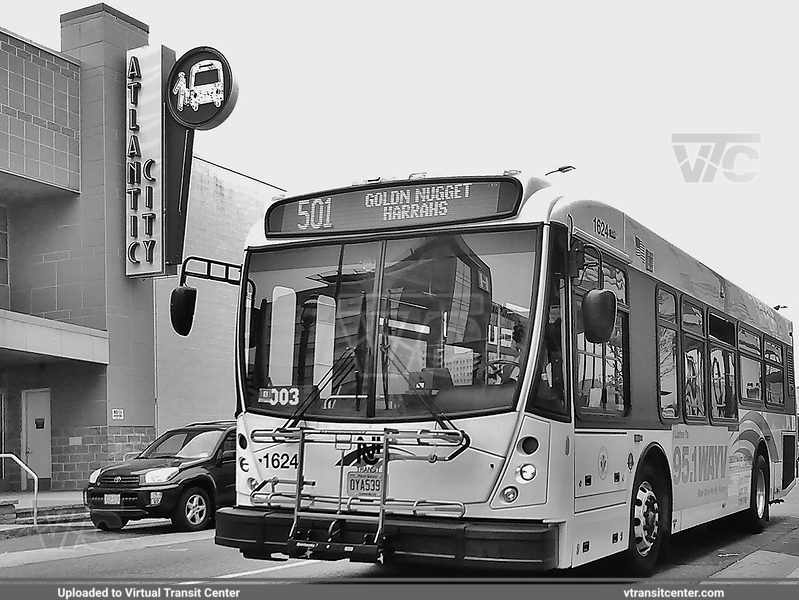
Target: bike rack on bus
point(336, 511)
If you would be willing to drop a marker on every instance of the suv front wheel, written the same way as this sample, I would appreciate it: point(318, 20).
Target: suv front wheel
point(193, 511)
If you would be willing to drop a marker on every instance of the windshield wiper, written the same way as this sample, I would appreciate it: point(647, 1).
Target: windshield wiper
point(317, 392)
point(358, 353)
point(424, 394)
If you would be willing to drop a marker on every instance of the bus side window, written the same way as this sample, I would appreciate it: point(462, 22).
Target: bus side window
point(668, 353)
point(722, 384)
point(751, 352)
point(723, 391)
point(693, 339)
point(588, 389)
point(602, 369)
point(694, 374)
point(774, 381)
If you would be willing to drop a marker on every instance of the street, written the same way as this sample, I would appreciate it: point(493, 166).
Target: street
point(153, 550)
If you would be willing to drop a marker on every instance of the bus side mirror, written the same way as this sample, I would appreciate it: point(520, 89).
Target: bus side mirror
point(181, 308)
point(576, 258)
point(599, 315)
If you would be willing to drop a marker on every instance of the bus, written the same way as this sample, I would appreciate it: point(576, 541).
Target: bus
point(487, 370)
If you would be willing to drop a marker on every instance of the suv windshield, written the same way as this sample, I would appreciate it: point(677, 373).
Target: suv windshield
point(184, 444)
point(396, 329)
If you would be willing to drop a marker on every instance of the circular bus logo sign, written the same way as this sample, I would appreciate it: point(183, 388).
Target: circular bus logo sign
point(201, 92)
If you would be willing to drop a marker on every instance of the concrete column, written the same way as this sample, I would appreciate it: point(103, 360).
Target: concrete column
point(99, 36)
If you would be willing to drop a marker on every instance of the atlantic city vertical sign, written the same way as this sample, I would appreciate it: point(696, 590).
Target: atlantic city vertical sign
point(144, 164)
point(167, 100)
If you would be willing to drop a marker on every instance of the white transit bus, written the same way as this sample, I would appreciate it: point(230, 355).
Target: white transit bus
point(483, 370)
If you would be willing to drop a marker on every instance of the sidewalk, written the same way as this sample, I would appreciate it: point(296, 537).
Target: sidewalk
point(56, 511)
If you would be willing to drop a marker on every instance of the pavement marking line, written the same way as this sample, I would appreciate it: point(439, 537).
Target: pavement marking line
point(761, 564)
point(792, 575)
point(39, 555)
point(268, 569)
point(255, 572)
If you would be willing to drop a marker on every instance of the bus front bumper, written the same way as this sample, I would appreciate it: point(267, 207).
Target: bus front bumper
point(260, 534)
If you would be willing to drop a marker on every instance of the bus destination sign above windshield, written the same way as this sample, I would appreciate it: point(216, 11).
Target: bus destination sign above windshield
point(396, 205)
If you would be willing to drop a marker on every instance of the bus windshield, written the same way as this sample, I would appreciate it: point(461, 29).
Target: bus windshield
point(395, 329)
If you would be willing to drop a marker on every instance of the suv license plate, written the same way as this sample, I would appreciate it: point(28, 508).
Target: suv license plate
point(364, 484)
point(112, 499)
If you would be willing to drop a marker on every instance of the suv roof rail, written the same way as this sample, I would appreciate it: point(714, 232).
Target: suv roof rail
point(220, 422)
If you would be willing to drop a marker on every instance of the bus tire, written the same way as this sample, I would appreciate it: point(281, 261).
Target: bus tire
point(755, 517)
point(649, 520)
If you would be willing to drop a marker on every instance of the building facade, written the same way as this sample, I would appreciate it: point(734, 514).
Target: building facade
point(89, 366)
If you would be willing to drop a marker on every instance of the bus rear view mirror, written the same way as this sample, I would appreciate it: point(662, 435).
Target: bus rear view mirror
point(181, 308)
point(576, 258)
point(599, 315)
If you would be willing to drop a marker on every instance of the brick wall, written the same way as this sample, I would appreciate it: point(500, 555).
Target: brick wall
point(78, 452)
point(39, 113)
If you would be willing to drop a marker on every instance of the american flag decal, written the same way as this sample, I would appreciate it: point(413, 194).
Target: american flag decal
point(645, 254)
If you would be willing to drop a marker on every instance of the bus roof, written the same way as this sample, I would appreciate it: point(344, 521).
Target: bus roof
point(617, 234)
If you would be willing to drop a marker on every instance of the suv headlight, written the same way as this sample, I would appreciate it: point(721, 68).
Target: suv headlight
point(160, 475)
point(95, 474)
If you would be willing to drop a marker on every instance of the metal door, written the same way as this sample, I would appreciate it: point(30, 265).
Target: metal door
point(36, 442)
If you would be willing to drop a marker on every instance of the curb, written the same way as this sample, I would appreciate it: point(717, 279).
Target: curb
point(51, 519)
point(15, 531)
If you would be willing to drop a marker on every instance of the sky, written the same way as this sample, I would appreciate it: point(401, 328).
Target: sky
point(336, 92)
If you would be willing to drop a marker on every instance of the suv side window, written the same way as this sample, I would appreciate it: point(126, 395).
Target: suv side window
point(229, 444)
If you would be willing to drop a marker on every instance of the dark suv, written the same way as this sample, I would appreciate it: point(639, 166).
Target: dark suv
point(184, 475)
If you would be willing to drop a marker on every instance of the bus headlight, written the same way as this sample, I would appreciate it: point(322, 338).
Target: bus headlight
point(251, 483)
point(528, 445)
point(526, 472)
point(509, 494)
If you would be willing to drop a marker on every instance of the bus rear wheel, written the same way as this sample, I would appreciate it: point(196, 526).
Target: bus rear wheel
point(649, 521)
point(754, 519)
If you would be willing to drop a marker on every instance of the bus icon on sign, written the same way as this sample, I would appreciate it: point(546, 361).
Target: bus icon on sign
point(206, 85)
point(202, 80)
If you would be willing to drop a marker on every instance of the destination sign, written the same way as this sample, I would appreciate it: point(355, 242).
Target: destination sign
point(396, 205)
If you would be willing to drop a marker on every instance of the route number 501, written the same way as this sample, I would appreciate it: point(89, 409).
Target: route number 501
point(315, 213)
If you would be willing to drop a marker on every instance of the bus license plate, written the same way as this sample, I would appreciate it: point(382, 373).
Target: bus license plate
point(364, 484)
point(112, 499)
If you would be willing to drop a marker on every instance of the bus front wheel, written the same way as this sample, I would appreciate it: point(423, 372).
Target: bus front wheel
point(649, 520)
point(754, 519)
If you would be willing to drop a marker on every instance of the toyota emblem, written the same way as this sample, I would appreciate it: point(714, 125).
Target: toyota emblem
point(117, 479)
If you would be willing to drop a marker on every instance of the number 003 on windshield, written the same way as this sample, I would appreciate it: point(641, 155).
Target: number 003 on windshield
point(285, 395)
